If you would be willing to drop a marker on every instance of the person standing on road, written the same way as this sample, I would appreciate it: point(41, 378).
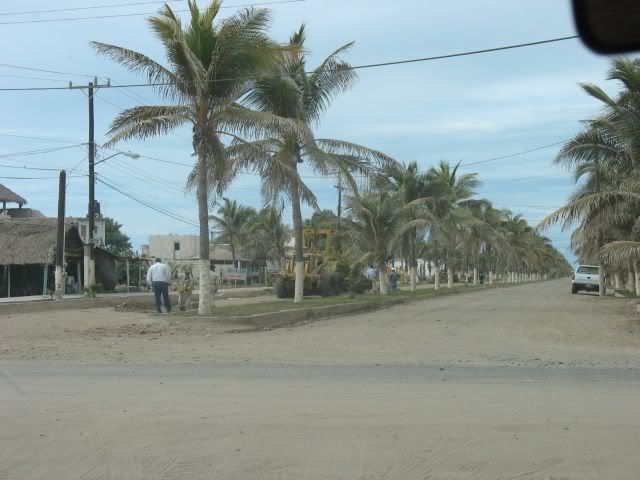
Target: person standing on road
point(159, 277)
point(393, 279)
point(372, 276)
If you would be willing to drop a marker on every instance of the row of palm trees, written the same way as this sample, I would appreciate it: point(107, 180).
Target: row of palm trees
point(407, 215)
point(252, 104)
point(604, 208)
point(436, 216)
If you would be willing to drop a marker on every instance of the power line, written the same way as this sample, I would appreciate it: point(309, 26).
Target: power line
point(42, 70)
point(46, 139)
point(526, 178)
point(23, 167)
point(148, 205)
point(118, 15)
point(92, 7)
point(355, 67)
point(32, 78)
point(38, 152)
point(39, 178)
point(511, 155)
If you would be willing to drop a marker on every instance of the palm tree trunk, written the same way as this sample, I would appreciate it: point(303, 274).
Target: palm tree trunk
point(413, 269)
point(631, 282)
point(636, 275)
point(297, 233)
point(205, 302)
point(233, 255)
point(617, 280)
point(382, 278)
point(436, 279)
point(602, 286)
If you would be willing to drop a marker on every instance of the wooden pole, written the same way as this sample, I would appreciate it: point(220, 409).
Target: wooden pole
point(59, 273)
point(92, 195)
point(128, 275)
point(45, 277)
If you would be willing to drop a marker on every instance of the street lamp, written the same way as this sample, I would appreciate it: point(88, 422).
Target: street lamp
point(132, 155)
point(90, 272)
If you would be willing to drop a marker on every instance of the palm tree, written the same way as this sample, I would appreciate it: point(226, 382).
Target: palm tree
point(452, 194)
point(294, 93)
point(411, 186)
point(375, 219)
point(209, 64)
point(268, 234)
point(232, 223)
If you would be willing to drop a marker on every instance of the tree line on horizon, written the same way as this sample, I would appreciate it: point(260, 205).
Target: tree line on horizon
point(253, 105)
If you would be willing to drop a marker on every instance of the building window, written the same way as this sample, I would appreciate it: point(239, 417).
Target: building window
point(176, 246)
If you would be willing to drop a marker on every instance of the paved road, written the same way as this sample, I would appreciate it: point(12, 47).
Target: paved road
point(260, 419)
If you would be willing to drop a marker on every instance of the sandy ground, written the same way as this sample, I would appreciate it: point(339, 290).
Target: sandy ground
point(528, 382)
point(529, 325)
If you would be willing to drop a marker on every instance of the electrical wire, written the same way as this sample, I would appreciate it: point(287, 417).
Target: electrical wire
point(527, 178)
point(38, 178)
point(46, 139)
point(354, 67)
point(92, 7)
point(511, 155)
point(32, 78)
point(119, 15)
point(38, 152)
point(146, 204)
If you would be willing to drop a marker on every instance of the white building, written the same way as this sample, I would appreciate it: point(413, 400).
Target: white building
point(83, 227)
point(174, 247)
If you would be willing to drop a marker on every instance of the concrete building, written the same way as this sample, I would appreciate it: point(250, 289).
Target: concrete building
point(174, 247)
point(83, 227)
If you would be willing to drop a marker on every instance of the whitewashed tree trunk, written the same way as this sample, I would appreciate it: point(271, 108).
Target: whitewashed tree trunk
point(59, 280)
point(476, 278)
point(414, 278)
point(384, 282)
point(602, 286)
point(205, 303)
point(436, 279)
point(449, 277)
point(617, 280)
point(631, 280)
point(636, 276)
point(299, 282)
point(490, 277)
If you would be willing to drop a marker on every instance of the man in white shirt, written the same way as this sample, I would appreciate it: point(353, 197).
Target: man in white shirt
point(159, 277)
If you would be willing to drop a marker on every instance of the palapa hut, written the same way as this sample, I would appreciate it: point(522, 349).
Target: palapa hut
point(27, 256)
point(9, 196)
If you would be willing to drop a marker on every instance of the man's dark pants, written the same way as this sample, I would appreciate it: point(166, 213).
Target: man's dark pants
point(162, 289)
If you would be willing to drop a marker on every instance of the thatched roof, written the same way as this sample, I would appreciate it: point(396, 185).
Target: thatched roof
point(7, 195)
point(29, 241)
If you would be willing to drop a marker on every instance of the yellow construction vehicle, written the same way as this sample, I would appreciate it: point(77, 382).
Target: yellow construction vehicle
point(316, 244)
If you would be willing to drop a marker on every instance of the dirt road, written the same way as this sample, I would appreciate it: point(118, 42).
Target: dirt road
point(528, 382)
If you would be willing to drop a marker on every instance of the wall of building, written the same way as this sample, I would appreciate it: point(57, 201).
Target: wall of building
point(174, 247)
point(83, 228)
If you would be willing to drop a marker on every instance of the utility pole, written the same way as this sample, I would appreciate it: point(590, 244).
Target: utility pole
point(89, 254)
point(59, 274)
point(91, 278)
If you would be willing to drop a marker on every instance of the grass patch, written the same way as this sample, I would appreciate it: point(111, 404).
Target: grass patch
point(375, 301)
point(625, 293)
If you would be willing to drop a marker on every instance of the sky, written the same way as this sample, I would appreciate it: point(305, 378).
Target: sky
point(465, 109)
